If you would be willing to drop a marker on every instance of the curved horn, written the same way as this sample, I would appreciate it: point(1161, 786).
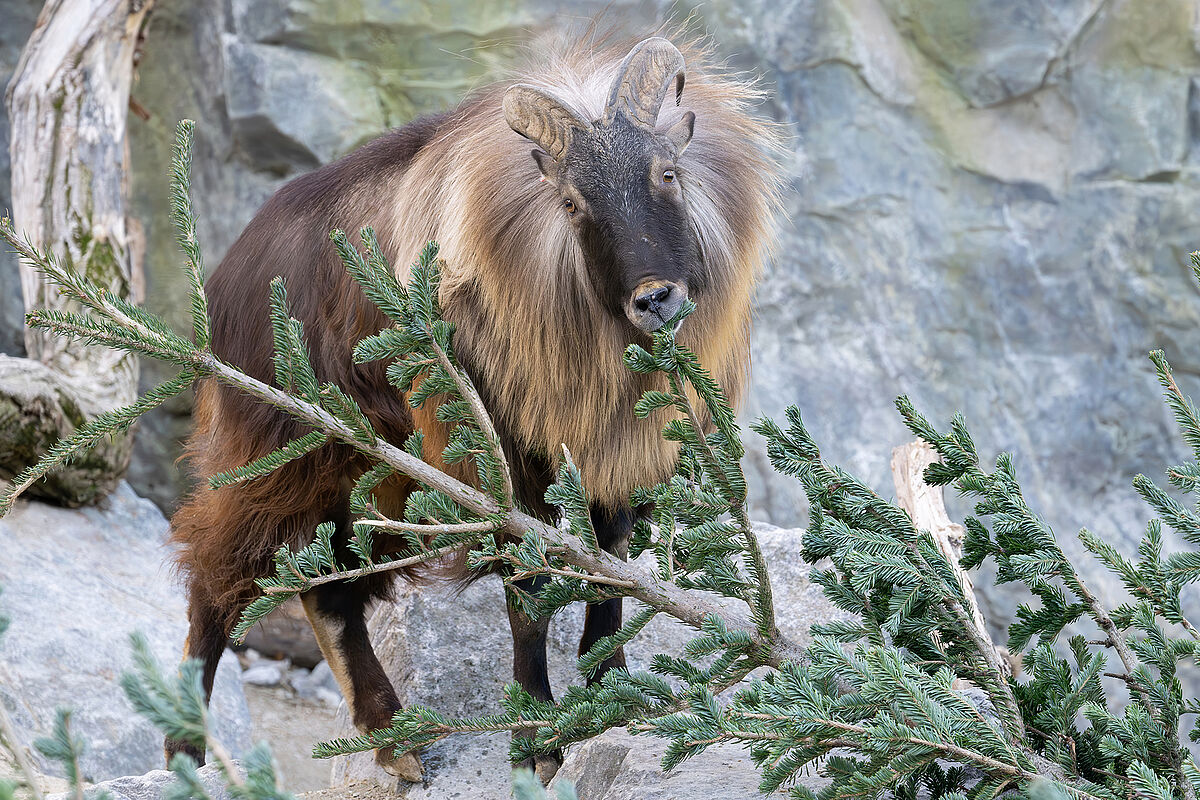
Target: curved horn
point(542, 118)
point(643, 81)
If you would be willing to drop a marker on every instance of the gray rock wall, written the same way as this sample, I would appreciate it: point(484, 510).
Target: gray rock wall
point(18, 16)
point(990, 207)
point(991, 213)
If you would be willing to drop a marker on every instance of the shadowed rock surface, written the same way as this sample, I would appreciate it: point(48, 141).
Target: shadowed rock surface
point(19, 16)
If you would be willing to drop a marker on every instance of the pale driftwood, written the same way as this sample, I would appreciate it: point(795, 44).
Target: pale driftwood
point(924, 503)
point(927, 508)
point(67, 104)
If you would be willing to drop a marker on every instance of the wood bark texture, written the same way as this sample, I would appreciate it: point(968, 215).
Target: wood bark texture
point(67, 104)
point(927, 508)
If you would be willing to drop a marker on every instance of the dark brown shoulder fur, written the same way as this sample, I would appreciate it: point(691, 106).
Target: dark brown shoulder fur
point(228, 536)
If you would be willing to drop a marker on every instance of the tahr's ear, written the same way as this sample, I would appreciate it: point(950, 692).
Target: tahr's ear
point(680, 134)
point(547, 165)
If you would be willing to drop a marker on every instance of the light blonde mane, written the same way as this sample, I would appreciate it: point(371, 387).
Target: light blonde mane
point(515, 279)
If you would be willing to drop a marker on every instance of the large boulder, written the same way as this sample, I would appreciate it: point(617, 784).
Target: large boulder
point(38, 407)
point(76, 584)
point(619, 766)
point(154, 785)
point(453, 653)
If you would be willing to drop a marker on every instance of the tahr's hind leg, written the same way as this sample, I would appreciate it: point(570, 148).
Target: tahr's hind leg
point(208, 631)
point(604, 618)
point(337, 613)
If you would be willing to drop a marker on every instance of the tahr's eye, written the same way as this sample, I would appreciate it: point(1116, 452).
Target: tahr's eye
point(669, 176)
point(569, 205)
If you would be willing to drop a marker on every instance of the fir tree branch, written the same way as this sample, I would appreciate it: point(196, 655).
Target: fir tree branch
point(297, 448)
point(422, 529)
point(763, 606)
point(1100, 615)
point(686, 605)
point(999, 687)
point(466, 388)
point(65, 748)
point(308, 583)
point(431, 734)
point(184, 220)
point(867, 742)
point(522, 570)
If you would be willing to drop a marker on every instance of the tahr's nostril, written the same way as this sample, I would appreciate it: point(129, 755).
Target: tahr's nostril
point(650, 301)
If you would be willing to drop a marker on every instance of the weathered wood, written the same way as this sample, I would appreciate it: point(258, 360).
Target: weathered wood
point(927, 507)
point(67, 105)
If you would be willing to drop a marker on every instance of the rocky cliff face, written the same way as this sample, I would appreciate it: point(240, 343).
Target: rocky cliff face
point(992, 214)
point(19, 16)
point(990, 206)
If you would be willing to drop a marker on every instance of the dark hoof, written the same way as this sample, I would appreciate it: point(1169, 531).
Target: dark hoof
point(173, 746)
point(544, 767)
point(406, 767)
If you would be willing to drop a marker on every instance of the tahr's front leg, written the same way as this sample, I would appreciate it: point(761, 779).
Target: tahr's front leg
point(529, 668)
point(604, 618)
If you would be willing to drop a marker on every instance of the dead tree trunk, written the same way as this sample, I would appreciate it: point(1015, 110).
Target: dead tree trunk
point(67, 105)
point(926, 506)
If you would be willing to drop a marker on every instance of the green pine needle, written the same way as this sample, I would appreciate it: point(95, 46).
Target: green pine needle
point(297, 448)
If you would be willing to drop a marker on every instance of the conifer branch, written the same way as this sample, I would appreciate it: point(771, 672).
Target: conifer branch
point(466, 388)
point(688, 606)
point(1117, 640)
point(308, 583)
point(763, 604)
point(297, 448)
point(184, 220)
point(65, 748)
point(421, 529)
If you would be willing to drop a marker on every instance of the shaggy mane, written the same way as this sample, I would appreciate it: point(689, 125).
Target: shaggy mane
point(530, 325)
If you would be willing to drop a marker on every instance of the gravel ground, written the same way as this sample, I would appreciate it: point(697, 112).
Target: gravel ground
point(291, 726)
point(361, 790)
point(9, 771)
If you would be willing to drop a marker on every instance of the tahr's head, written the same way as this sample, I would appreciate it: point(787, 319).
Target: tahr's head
point(620, 183)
